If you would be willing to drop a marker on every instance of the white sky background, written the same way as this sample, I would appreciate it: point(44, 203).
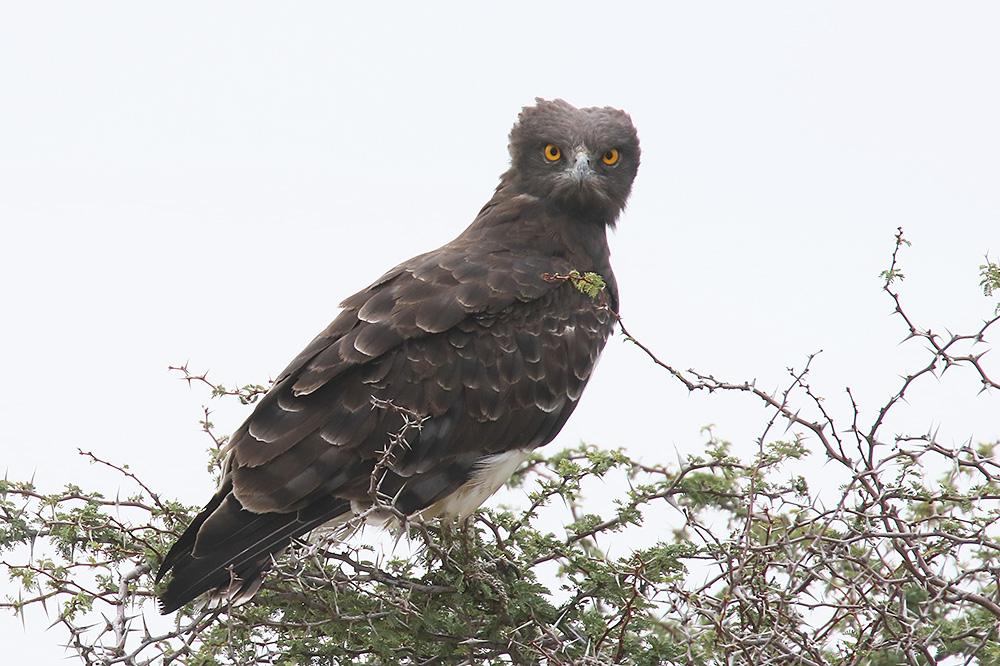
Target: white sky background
point(206, 182)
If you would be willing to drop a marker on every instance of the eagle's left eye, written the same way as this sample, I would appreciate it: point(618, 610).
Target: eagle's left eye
point(610, 157)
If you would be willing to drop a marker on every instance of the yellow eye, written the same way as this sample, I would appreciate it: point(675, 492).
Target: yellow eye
point(552, 153)
point(610, 157)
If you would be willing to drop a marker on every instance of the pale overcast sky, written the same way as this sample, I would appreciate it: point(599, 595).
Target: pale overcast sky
point(205, 182)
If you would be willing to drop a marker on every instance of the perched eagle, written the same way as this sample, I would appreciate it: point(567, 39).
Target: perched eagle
point(474, 340)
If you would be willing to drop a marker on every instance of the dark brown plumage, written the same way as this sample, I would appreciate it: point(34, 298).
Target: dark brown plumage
point(469, 336)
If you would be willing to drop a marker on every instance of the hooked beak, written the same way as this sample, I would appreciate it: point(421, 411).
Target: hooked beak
point(581, 171)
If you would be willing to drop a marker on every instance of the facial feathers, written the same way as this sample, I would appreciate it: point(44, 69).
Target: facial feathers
point(603, 138)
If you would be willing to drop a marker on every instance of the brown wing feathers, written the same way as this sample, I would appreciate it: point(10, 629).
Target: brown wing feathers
point(241, 550)
point(316, 436)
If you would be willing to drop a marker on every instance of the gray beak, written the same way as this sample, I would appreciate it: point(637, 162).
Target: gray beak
point(581, 170)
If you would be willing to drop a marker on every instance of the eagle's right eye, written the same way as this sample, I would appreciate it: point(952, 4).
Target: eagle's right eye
point(552, 153)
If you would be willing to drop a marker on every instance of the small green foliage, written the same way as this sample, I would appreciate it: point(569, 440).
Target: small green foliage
point(890, 275)
point(589, 283)
point(990, 282)
point(893, 273)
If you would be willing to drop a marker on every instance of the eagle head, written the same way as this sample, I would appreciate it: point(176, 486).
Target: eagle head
point(580, 160)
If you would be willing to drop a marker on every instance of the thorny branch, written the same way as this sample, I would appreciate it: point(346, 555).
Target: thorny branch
point(911, 551)
point(396, 443)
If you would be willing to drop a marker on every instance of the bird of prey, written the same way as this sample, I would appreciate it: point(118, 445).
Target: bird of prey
point(473, 344)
